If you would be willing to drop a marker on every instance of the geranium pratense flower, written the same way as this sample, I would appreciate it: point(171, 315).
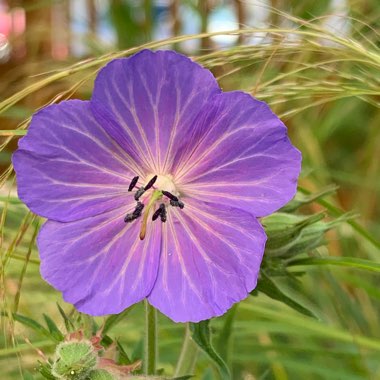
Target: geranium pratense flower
point(152, 188)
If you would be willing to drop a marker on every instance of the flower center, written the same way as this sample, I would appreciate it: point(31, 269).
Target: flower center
point(165, 182)
point(159, 189)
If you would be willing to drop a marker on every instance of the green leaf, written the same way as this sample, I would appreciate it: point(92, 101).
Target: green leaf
point(268, 287)
point(115, 319)
point(45, 370)
point(224, 338)
point(68, 323)
point(54, 330)
point(303, 199)
point(33, 325)
point(123, 356)
point(200, 333)
point(27, 376)
point(339, 261)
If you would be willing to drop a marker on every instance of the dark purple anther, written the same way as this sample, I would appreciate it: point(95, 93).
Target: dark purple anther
point(139, 193)
point(135, 214)
point(170, 195)
point(178, 203)
point(129, 218)
point(151, 183)
point(157, 213)
point(133, 183)
point(138, 209)
point(163, 213)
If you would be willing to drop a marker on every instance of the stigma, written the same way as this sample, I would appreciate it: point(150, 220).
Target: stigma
point(154, 198)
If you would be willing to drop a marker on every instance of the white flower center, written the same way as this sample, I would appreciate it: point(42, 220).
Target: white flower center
point(164, 182)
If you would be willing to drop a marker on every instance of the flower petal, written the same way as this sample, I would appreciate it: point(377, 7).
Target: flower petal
point(244, 158)
point(68, 167)
point(99, 263)
point(154, 98)
point(210, 259)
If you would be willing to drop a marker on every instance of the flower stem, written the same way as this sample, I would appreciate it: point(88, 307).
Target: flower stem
point(150, 352)
point(188, 357)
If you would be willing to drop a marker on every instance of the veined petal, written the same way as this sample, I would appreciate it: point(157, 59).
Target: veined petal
point(244, 158)
point(154, 98)
point(68, 167)
point(99, 263)
point(210, 259)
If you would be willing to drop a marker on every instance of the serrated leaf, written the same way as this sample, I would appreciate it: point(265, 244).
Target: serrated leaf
point(200, 332)
point(269, 288)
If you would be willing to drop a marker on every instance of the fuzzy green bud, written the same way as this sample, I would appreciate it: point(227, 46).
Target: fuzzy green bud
point(74, 360)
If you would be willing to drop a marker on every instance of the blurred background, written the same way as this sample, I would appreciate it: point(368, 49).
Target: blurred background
point(39, 36)
point(316, 63)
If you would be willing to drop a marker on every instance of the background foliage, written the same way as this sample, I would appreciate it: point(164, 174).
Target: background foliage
point(315, 313)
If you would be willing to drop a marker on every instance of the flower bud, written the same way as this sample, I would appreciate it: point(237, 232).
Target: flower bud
point(74, 360)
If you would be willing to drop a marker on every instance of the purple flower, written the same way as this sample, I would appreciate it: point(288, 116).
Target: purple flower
point(158, 140)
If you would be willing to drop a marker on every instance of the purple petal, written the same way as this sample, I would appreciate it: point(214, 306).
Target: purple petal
point(99, 263)
point(153, 98)
point(244, 158)
point(210, 259)
point(67, 166)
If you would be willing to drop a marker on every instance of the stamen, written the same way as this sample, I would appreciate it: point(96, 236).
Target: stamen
point(178, 203)
point(156, 195)
point(139, 193)
point(170, 196)
point(157, 213)
point(151, 183)
point(129, 218)
point(138, 209)
point(133, 183)
point(135, 214)
point(163, 213)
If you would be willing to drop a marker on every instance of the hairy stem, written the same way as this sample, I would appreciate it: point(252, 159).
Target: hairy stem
point(150, 352)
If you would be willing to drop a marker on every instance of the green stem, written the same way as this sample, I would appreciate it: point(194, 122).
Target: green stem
point(188, 357)
point(150, 357)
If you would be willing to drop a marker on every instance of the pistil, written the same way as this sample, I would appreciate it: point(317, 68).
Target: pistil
point(157, 194)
